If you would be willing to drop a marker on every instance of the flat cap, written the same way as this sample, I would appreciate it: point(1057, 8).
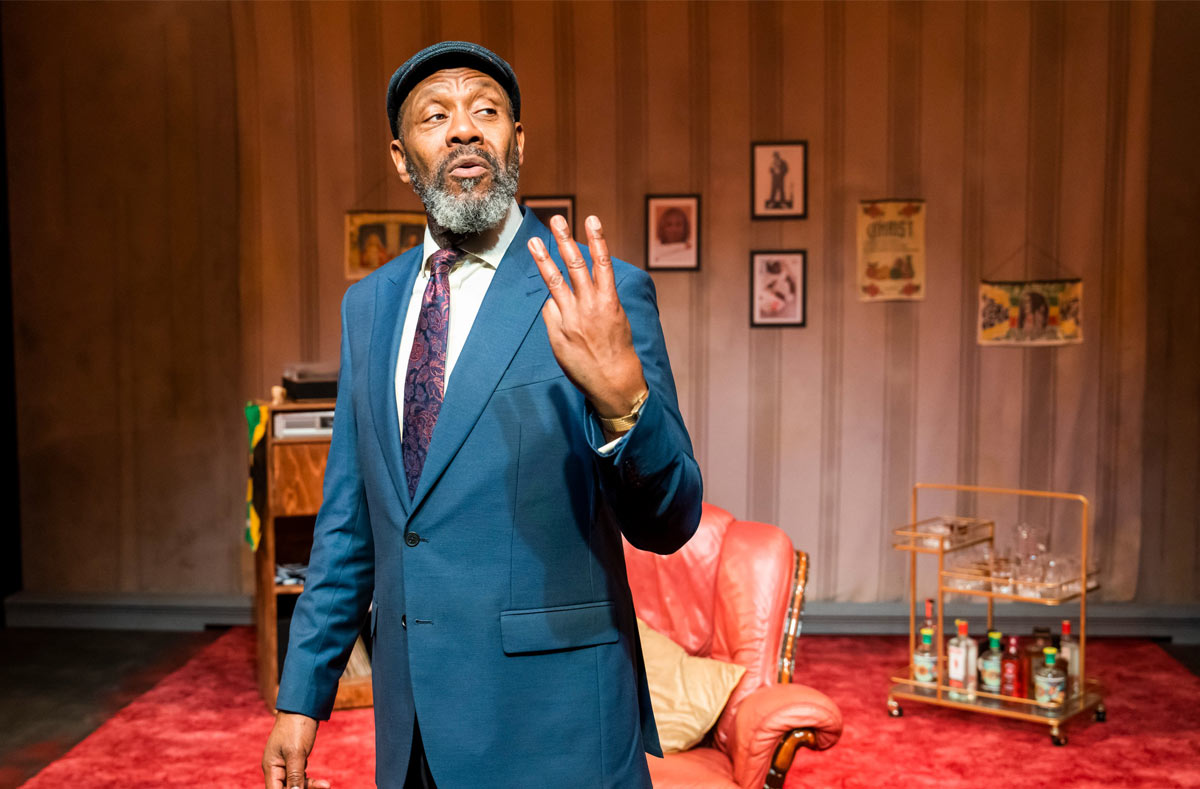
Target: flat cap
point(443, 55)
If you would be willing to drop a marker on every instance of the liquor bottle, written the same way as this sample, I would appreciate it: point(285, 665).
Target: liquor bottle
point(1012, 669)
point(990, 664)
point(1068, 657)
point(925, 658)
point(1050, 681)
point(1033, 655)
point(962, 652)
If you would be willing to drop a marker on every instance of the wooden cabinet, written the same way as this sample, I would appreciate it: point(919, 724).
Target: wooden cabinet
point(295, 472)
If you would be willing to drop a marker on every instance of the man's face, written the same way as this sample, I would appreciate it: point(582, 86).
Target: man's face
point(460, 149)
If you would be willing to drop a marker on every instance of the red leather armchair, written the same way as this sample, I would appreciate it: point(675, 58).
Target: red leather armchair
point(735, 592)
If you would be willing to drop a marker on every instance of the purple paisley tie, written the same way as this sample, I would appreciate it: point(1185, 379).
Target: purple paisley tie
point(425, 381)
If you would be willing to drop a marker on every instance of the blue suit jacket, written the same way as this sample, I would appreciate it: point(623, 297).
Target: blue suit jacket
point(502, 616)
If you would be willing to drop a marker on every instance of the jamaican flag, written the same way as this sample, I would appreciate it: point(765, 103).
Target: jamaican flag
point(256, 485)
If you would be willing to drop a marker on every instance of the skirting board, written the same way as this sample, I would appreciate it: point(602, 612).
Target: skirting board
point(1180, 623)
point(127, 612)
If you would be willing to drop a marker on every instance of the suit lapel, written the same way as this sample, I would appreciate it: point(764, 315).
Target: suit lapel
point(514, 300)
point(392, 296)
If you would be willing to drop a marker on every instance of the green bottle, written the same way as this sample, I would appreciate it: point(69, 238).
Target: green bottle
point(924, 658)
point(989, 664)
point(1050, 681)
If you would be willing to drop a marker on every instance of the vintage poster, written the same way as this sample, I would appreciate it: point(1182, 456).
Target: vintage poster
point(1034, 312)
point(891, 250)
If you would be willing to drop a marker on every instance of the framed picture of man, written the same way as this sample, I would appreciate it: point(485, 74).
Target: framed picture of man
point(375, 237)
point(778, 287)
point(546, 206)
point(673, 232)
point(779, 180)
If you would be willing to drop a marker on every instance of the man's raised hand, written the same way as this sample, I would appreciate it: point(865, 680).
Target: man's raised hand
point(587, 327)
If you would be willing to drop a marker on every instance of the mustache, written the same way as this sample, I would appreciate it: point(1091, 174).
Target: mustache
point(462, 152)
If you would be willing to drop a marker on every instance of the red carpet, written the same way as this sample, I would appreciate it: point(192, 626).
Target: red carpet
point(204, 725)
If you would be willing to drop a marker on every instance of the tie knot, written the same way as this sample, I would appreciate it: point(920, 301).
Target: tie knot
point(443, 260)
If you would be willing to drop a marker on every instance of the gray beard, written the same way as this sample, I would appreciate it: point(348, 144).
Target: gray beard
point(472, 212)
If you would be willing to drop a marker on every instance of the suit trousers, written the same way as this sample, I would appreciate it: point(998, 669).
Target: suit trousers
point(419, 776)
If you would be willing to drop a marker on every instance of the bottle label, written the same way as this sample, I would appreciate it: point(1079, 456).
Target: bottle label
point(956, 667)
point(1050, 689)
point(989, 674)
point(924, 668)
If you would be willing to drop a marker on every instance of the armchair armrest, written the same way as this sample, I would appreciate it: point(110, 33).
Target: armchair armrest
point(767, 719)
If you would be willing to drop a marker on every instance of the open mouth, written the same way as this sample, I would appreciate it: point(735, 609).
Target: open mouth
point(469, 167)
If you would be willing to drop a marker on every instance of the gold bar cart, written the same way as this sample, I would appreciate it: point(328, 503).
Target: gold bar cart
point(1086, 696)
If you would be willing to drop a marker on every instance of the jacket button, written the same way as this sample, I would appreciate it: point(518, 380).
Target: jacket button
point(403, 622)
point(411, 539)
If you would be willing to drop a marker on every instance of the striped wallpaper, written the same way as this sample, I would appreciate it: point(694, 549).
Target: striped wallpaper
point(1025, 127)
point(1017, 122)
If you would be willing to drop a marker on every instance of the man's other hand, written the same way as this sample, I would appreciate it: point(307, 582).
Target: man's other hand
point(587, 327)
point(286, 754)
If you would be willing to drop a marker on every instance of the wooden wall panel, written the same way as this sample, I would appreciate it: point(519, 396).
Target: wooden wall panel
point(122, 166)
point(207, 157)
point(1170, 557)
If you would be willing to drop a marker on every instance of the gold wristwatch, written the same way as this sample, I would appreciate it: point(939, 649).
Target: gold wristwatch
point(623, 424)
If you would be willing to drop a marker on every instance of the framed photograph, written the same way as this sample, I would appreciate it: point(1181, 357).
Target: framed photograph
point(779, 180)
point(673, 232)
point(546, 206)
point(375, 237)
point(778, 287)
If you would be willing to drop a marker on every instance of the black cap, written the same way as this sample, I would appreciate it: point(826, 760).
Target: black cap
point(449, 54)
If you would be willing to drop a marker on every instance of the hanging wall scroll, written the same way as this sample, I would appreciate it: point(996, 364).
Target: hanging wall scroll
point(891, 250)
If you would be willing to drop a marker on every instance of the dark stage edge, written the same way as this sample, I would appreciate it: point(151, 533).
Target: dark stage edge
point(58, 686)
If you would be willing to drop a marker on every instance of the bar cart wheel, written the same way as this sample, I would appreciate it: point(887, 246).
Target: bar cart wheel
point(1058, 738)
point(894, 709)
point(1100, 715)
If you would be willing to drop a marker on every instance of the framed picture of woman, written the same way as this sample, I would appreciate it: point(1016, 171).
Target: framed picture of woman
point(673, 232)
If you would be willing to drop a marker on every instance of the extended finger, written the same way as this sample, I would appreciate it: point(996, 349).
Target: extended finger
point(552, 316)
point(602, 270)
point(560, 291)
point(581, 280)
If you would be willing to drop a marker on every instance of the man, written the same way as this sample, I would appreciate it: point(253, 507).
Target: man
point(505, 412)
point(779, 170)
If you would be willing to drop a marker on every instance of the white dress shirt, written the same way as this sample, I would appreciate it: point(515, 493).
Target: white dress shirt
point(469, 281)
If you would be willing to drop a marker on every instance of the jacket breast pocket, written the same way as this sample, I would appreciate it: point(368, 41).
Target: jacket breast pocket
point(557, 628)
point(525, 374)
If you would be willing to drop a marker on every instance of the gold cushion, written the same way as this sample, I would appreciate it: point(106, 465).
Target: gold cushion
point(687, 693)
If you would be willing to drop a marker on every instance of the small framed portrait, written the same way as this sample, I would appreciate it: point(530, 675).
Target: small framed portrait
point(779, 180)
point(778, 287)
point(546, 206)
point(375, 237)
point(673, 232)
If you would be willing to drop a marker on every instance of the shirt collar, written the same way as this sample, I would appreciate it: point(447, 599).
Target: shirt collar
point(479, 248)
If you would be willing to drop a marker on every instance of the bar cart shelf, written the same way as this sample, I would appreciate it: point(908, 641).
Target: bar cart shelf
point(917, 538)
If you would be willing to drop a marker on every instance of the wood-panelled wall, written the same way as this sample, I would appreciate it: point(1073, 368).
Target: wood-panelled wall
point(1024, 126)
point(122, 157)
point(1170, 557)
